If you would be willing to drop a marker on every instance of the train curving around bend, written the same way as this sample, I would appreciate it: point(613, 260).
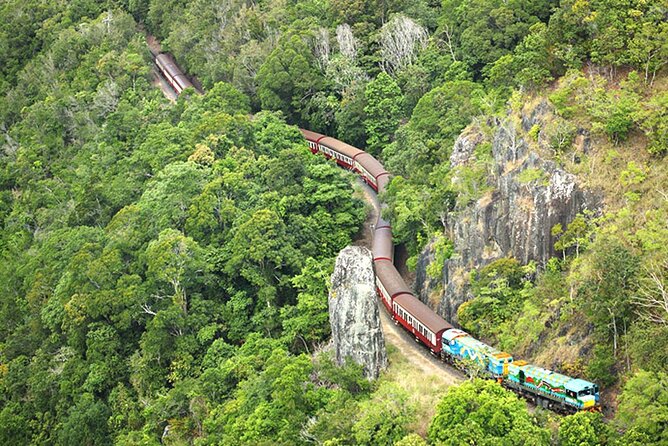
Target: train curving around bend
point(546, 388)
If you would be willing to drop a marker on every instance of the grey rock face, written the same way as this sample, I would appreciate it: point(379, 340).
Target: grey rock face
point(464, 147)
point(514, 219)
point(354, 313)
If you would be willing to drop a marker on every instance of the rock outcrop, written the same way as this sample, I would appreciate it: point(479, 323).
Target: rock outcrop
point(527, 197)
point(354, 313)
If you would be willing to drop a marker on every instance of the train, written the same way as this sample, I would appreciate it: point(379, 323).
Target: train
point(172, 73)
point(546, 388)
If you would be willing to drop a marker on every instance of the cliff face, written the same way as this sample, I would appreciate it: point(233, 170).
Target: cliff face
point(354, 313)
point(528, 195)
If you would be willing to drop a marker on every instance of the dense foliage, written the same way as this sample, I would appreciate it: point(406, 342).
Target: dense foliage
point(482, 412)
point(164, 266)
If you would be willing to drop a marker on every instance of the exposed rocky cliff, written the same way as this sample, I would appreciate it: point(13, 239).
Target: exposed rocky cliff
point(354, 313)
point(527, 196)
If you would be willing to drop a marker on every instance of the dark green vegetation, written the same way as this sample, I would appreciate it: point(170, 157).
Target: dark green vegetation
point(164, 267)
point(482, 412)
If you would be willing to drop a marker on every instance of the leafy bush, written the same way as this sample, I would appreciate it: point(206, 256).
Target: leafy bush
point(584, 429)
point(602, 366)
point(653, 120)
point(443, 250)
point(530, 175)
point(482, 412)
point(643, 408)
point(500, 290)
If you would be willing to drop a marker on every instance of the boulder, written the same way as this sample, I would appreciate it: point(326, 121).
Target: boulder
point(354, 312)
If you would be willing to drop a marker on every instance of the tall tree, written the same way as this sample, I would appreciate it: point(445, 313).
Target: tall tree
point(384, 110)
point(482, 412)
point(289, 78)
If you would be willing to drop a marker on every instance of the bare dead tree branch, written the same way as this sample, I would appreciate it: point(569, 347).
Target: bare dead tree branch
point(448, 42)
point(348, 44)
point(652, 297)
point(401, 38)
point(147, 309)
point(321, 49)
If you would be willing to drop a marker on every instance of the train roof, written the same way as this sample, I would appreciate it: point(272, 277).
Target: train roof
point(168, 64)
point(172, 69)
point(313, 136)
point(577, 384)
point(391, 279)
point(341, 147)
point(183, 81)
point(381, 222)
point(475, 344)
point(382, 246)
point(553, 378)
point(541, 374)
point(454, 333)
point(382, 183)
point(422, 313)
point(371, 164)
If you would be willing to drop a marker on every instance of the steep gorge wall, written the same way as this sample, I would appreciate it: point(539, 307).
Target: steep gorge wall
point(528, 195)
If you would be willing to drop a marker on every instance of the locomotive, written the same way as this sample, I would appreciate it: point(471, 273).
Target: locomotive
point(546, 388)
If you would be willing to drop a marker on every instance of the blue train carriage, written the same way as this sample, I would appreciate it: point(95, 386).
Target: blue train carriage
point(459, 346)
point(552, 390)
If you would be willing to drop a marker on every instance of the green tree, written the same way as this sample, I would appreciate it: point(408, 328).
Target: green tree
point(652, 120)
point(480, 32)
point(308, 321)
point(288, 77)
point(643, 408)
point(350, 116)
point(167, 199)
point(383, 110)
point(176, 261)
point(648, 48)
point(500, 290)
point(583, 429)
point(384, 418)
point(482, 412)
point(86, 423)
point(411, 440)
point(533, 57)
point(427, 139)
point(611, 279)
point(577, 235)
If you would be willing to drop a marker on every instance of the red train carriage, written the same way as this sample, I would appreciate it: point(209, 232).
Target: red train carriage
point(172, 73)
point(382, 247)
point(419, 319)
point(389, 283)
point(312, 138)
point(383, 181)
point(370, 169)
point(343, 153)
